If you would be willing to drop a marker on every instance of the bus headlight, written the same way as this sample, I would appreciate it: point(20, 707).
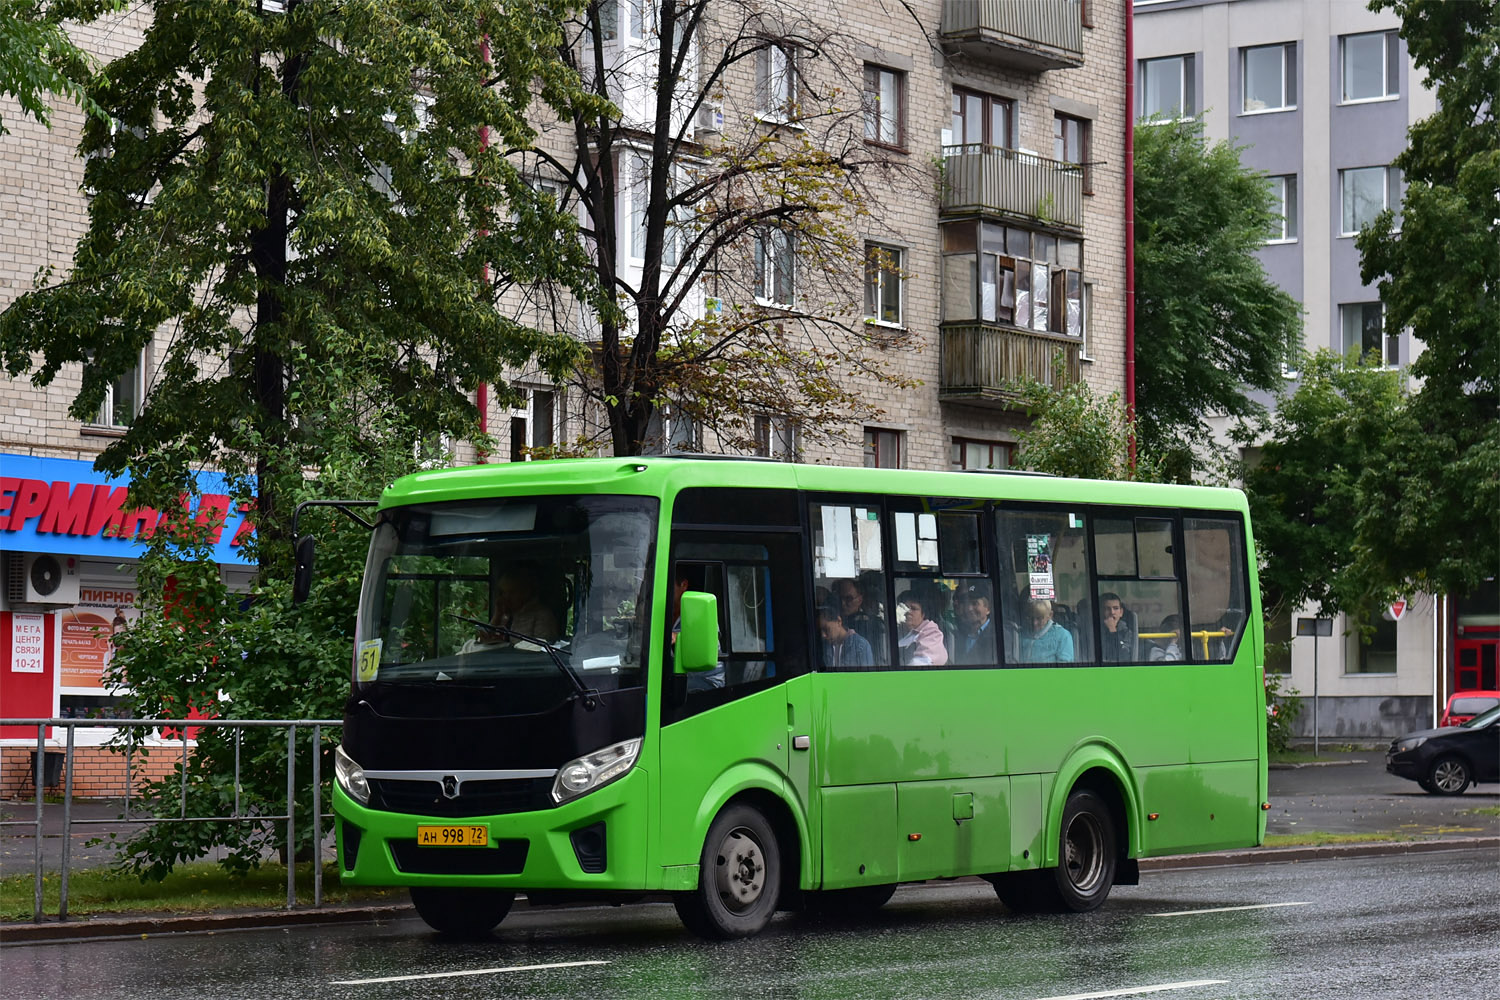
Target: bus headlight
point(592, 770)
point(351, 777)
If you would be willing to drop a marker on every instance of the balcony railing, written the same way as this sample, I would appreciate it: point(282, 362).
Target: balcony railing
point(1031, 35)
point(996, 181)
point(984, 364)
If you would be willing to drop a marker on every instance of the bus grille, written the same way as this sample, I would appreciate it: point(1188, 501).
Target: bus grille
point(507, 857)
point(479, 798)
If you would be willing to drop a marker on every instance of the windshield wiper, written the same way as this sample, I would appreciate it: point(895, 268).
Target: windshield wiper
point(590, 696)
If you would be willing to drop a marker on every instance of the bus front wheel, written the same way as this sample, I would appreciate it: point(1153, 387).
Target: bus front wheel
point(461, 913)
point(739, 877)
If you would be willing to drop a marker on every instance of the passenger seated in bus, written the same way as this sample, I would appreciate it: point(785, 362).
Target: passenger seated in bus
point(1042, 639)
point(975, 642)
point(516, 603)
point(921, 639)
point(1171, 648)
point(1116, 632)
point(842, 647)
point(855, 613)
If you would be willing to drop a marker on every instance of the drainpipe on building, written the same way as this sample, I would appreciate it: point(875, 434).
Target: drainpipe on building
point(482, 395)
point(1130, 228)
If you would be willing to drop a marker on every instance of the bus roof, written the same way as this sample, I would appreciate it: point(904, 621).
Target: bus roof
point(652, 475)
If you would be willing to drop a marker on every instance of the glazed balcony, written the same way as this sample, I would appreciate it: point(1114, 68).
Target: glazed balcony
point(1028, 35)
point(989, 180)
point(982, 364)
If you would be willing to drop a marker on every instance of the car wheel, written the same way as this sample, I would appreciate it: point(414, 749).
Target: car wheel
point(1449, 775)
point(461, 913)
point(1427, 786)
point(739, 877)
point(1085, 869)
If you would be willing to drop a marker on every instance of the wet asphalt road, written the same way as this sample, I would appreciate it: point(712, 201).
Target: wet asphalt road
point(1399, 927)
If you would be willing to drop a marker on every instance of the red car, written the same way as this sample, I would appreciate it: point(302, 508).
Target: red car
point(1464, 705)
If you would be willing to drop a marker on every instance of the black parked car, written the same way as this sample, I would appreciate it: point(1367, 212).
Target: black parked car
point(1446, 761)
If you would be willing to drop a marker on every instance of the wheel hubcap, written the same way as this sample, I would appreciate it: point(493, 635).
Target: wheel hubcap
point(1083, 853)
point(741, 869)
point(1449, 776)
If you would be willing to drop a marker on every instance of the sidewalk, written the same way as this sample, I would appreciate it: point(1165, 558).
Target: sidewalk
point(1347, 792)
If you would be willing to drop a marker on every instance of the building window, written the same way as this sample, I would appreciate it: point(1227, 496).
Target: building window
point(1370, 66)
point(1378, 654)
point(1084, 349)
point(1005, 274)
point(775, 437)
point(122, 399)
point(882, 449)
point(533, 424)
point(1070, 144)
point(983, 119)
point(775, 267)
point(1284, 208)
point(1269, 77)
point(885, 106)
point(968, 454)
point(639, 186)
point(1364, 333)
point(883, 283)
point(1167, 88)
point(1365, 193)
point(776, 83)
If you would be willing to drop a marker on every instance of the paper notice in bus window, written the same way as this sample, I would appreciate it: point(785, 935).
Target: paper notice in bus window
point(927, 546)
point(906, 537)
point(1039, 567)
point(838, 543)
point(368, 664)
point(869, 541)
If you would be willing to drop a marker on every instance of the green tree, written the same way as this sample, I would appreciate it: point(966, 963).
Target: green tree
point(701, 200)
point(296, 210)
point(1324, 443)
point(1429, 511)
point(1210, 325)
point(38, 59)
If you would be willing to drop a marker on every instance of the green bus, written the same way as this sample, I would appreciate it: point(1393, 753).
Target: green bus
point(749, 686)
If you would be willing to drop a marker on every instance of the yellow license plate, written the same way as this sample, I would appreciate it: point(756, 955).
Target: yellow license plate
point(453, 836)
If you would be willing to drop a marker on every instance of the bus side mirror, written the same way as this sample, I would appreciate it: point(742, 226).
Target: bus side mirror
point(302, 577)
point(698, 641)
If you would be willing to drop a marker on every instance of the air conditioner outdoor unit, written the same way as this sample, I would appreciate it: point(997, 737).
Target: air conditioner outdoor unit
point(42, 578)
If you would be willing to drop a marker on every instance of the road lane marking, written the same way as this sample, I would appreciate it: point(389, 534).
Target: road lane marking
point(466, 972)
point(1137, 990)
point(1227, 909)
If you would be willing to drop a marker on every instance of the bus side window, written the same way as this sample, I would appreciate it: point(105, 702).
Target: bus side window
point(1135, 563)
point(849, 587)
point(1216, 586)
point(1044, 578)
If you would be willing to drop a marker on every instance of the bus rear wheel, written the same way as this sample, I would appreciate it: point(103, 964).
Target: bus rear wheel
point(1085, 870)
point(739, 877)
point(461, 913)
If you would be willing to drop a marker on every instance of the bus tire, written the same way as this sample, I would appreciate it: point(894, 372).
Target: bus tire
point(461, 913)
point(739, 877)
point(1019, 891)
point(1086, 854)
point(850, 902)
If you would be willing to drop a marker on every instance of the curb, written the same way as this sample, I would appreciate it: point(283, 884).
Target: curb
point(210, 923)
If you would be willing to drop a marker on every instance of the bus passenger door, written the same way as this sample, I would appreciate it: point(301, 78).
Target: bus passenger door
point(734, 728)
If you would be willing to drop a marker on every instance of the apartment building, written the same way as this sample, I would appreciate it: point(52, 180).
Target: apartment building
point(1004, 248)
point(1321, 93)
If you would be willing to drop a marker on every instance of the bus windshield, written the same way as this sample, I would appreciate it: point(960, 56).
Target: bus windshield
point(545, 594)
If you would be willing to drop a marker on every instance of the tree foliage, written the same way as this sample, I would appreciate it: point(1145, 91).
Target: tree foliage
point(1074, 432)
point(38, 59)
point(292, 216)
point(1324, 446)
point(1210, 325)
point(672, 205)
point(1431, 514)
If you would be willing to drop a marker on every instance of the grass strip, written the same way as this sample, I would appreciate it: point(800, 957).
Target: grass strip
point(198, 887)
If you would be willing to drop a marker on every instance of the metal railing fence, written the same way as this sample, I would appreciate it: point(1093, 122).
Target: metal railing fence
point(292, 727)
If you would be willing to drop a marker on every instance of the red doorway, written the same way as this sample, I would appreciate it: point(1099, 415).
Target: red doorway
point(1474, 659)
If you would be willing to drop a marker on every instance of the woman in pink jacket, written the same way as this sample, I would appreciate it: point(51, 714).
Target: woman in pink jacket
point(921, 639)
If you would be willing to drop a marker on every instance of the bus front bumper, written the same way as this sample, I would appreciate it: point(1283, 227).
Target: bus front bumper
point(596, 842)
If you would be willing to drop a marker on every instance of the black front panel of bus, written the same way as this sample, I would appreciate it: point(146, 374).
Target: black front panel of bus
point(402, 729)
